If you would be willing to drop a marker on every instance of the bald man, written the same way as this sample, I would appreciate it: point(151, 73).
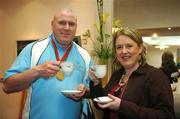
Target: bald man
point(39, 68)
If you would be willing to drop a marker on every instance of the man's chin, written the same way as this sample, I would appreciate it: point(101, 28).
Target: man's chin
point(66, 39)
point(65, 42)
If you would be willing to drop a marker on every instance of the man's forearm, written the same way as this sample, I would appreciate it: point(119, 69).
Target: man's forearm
point(20, 81)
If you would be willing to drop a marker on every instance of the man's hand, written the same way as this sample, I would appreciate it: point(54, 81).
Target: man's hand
point(47, 69)
point(80, 95)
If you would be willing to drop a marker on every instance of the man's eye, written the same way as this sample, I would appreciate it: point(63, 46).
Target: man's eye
point(71, 24)
point(62, 22)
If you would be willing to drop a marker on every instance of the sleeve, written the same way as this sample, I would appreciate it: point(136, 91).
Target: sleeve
point(98, 90)
point(87, 81)
point(21, 63)
point(160, 100)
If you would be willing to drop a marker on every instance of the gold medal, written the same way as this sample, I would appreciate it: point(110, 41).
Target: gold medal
point(60, 75)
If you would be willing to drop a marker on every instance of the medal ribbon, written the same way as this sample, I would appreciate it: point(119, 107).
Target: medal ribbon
point(56, 52)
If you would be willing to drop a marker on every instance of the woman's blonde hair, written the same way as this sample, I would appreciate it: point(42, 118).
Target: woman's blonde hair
point(135, 36)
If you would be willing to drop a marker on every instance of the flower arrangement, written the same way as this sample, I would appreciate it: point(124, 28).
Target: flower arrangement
point(102, 44)
point(116, 25)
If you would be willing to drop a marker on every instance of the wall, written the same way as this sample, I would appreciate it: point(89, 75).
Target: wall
point(1, 40)
point(1, 102)
point(148, 13)
point(1, 34)
point(31, 20)
point(154, 55)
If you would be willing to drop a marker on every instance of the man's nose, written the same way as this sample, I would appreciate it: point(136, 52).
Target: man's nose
point(67, 26)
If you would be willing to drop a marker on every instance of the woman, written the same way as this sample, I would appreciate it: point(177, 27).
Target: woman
point(168, 66)
point(137, 90)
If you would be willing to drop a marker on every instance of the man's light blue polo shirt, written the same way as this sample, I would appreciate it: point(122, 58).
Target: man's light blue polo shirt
point(47, 101)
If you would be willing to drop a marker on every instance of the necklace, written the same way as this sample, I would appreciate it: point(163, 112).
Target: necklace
point(123, 80)
point(122, 85)
point(60, 74)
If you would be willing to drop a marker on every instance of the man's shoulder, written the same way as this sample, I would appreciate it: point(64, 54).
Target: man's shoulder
point(81, 49)
point(78, 46)
point(42, 41)
point(40, 44)
point(37, 50)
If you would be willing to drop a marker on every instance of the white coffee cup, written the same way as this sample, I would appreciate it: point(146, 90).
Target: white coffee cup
point(99, 71)
point(67, 67)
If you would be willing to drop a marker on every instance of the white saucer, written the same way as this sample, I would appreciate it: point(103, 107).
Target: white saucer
point(71, 91)
point(104, 99)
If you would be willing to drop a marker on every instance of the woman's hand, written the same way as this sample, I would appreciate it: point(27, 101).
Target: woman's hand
point(79, 95)
point(95, 80)
point(113, 105)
